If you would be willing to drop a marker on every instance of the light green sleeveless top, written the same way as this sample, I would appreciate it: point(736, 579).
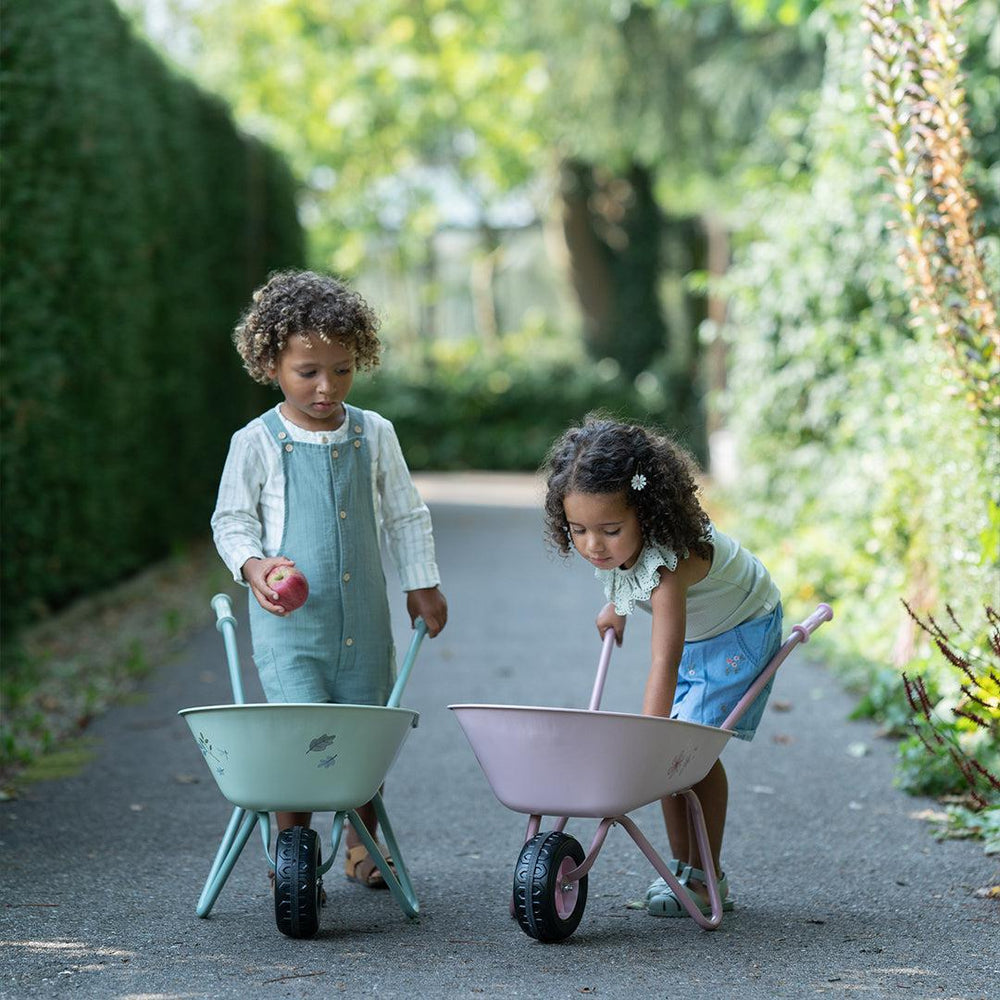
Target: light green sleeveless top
point(737, 587)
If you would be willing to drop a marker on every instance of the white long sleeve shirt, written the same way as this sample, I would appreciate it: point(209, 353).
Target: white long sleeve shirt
point(249, 514)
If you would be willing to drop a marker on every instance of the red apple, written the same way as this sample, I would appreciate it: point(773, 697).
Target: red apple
point(290, 585)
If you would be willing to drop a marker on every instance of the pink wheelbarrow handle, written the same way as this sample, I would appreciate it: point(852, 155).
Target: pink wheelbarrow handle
point(800, 633)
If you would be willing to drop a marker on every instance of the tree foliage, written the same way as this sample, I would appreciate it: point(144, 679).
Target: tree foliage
point(877, 478)
point(382, 106)
point(917, 90)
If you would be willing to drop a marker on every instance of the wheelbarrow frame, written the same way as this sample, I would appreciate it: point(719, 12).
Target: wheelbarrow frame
point(243, 820)
point(569, 876)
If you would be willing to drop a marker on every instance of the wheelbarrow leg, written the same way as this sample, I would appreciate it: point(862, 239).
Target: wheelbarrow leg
point(709, 922)
point(401, 887)
point(240, 827)
point(335, 834)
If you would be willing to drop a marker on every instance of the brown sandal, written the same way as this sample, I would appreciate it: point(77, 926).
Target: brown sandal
point(359, 867)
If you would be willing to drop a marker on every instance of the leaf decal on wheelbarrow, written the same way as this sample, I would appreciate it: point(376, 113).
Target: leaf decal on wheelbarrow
point(327, 761)
point(207, 750)
point(321, 742)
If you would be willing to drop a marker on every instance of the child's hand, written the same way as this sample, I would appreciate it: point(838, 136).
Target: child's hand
point(609, 618)
point(429, 604)
point(255, 572)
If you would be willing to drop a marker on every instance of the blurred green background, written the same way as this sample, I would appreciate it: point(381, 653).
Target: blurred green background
point(687, 212)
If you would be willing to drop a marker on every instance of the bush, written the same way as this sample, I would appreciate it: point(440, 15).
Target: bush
point(136, 221)
point(872, 479)
point(462, 408)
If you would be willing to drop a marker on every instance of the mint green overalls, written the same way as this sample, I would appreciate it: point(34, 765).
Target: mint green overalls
point(338, 646)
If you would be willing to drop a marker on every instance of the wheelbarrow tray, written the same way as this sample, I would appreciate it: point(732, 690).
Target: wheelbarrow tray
point(577, 762)
point(299, 757)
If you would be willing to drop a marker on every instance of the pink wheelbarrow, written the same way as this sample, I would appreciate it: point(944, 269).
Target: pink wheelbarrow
point(565, 762)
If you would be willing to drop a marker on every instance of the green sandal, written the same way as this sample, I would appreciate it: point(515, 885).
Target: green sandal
point(659, 885)
point(666, 903)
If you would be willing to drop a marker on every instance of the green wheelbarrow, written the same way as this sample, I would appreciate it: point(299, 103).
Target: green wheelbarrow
point(301, 758)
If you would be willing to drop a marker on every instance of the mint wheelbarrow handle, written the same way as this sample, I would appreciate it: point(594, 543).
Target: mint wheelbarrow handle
point(226, 624)
point(419, 631)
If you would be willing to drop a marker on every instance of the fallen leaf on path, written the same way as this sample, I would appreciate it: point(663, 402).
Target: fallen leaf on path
point(858, 750)
point(780, 705)
point(930, 815)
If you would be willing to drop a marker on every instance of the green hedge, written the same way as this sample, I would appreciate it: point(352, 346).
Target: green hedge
point(473, 411)
point(136, 220)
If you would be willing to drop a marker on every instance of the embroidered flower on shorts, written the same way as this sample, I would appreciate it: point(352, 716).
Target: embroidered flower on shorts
point(638, 482)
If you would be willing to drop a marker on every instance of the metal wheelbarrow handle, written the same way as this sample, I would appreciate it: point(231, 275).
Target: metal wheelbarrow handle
point(226, 624)
point(800, 633)
point(602, 669)
point(419, 631)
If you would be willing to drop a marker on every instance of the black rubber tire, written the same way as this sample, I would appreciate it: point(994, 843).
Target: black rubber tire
point(297, 886)
point(537, 885)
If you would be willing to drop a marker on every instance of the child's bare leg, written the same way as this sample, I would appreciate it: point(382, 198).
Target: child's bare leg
point(359, 865)
point(366, 813)
point(287, 820)
point(713, 794)
point(675, 817)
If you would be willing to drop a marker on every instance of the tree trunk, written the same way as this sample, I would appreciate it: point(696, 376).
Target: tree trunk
point(615, 236)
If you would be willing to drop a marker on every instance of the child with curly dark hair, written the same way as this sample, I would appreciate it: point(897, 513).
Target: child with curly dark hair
point(313, 483)
point(626, 498)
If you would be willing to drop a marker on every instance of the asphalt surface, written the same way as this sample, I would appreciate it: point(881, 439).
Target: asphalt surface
point(841, 891)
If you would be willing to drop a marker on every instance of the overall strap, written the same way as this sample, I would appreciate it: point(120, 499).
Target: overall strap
point(273, 423)
point(355, 420)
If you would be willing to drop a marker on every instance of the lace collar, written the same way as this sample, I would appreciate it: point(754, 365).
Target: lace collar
point(626, 587)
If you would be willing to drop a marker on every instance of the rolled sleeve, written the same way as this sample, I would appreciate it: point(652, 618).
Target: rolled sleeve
point(236, 524)
point(406, 521)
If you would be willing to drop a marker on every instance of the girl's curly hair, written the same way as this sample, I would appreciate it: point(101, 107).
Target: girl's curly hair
point(309, 304)
point(603, 456)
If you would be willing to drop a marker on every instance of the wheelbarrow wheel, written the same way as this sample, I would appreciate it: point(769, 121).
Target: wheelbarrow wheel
point(548, 907)
point(297, 885)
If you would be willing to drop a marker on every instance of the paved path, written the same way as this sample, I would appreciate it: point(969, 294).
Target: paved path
point(841, 892)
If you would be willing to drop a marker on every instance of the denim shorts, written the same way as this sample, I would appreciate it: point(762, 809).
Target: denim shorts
point(715, 673)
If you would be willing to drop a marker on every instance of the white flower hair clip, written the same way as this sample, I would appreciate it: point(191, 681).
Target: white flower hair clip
point(638, 482)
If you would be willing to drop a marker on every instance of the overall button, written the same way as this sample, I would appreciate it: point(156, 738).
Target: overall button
point(348, 642)
point(324, 439)
point(288, 447)
point(357, 444)
point(335, 453)
point(343, 514)
point(282, 435)
point(357, 428)
point(347, 577)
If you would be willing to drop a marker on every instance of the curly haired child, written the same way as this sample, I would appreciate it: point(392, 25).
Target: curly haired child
point(625, 497)
point(313, 482)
